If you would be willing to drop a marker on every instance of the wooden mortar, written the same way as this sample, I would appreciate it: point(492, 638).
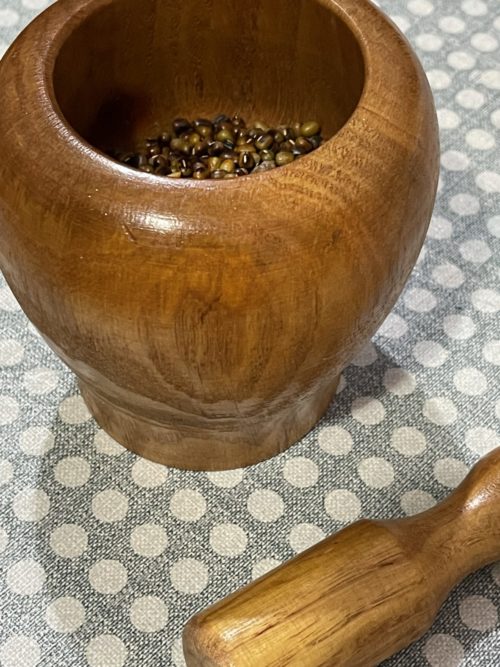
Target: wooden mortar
point(359, 596)
point(208, 322)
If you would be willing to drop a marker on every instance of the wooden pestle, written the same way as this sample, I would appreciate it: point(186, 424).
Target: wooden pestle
point(360, 595)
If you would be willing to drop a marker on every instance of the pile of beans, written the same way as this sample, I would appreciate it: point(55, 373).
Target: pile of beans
point(222, 148)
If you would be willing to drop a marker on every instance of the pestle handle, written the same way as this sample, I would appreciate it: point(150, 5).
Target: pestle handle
point(359, 596)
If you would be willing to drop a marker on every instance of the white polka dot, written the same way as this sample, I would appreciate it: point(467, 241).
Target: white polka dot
point(26, 577)
point(178, 653)
point(486, 300)
point(228, 539)
point(475, 251)
point(6, 471)
point(148, 474)
point(438, 79)
point(105, 444)
point(398, 381)
point(496, 574)
point(149, 540)
point(149, 613)
point(491, 352)
point(491, 79)
point(8, 301)
point(265, 505)
point(420, 300)
point(40, 381)
point(188, 505)
point(448, 275)
point(408, 441)
point(478, 613)
point(69, 540)
point(443, 651)
point(394, 326)
point(9, 410)
point(495, 118)
point(366, 356)
point(376, 472)
point(4, 539)
point(421, 7)
point(189, 575)
point(106, 651)
point(414, 502)
point(36, 4)
point(108, 576)
point(262, 567)
point(8, 18)
point(430, 354)
point(481, 440)
point(464, 204)
point(448, 119)
point(72, 471)
point(73, 410)
point(66, 614)
point(402, 23)
point(367, 410)
point(493, 225)
point(110, 506)
point(450, 472)
point(20, 651)
point(468, 98)
point(459, 327)
point(301, 472)
point(440, 410)
point(455, 161)
point(480, 139)
point(342, 505)
point(489, 181)
point(440, 228)
point(452, 25)
point(305, 535)
point(36, 441)
point(31, 504)
point(461, 60)
point(429, 42)
point(474, 7)
point(11, 352)
point(335, 440)
point(226, 479)
point(484, 42)
point(470, 381)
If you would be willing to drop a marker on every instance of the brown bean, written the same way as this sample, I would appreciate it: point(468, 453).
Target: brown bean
point(310, 128)
point(284, 157)
point(181, 125)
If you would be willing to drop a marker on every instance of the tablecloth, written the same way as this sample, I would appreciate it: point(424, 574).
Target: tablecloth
point(104, 556)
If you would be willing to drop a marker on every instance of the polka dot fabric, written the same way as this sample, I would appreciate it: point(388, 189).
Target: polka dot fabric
point(103, 556)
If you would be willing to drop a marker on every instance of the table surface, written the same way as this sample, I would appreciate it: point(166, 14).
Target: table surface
point(104, 556)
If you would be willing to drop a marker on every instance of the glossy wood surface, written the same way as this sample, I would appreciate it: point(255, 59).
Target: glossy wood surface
point(208, 322)
point(359, 596)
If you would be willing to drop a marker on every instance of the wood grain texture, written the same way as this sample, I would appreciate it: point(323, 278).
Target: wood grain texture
point(359, 596)
point(208, 322)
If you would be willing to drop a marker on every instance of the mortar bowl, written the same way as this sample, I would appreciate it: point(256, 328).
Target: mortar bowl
point(208, 321)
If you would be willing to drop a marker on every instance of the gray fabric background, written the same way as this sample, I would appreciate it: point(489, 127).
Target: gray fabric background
point(103, 556)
